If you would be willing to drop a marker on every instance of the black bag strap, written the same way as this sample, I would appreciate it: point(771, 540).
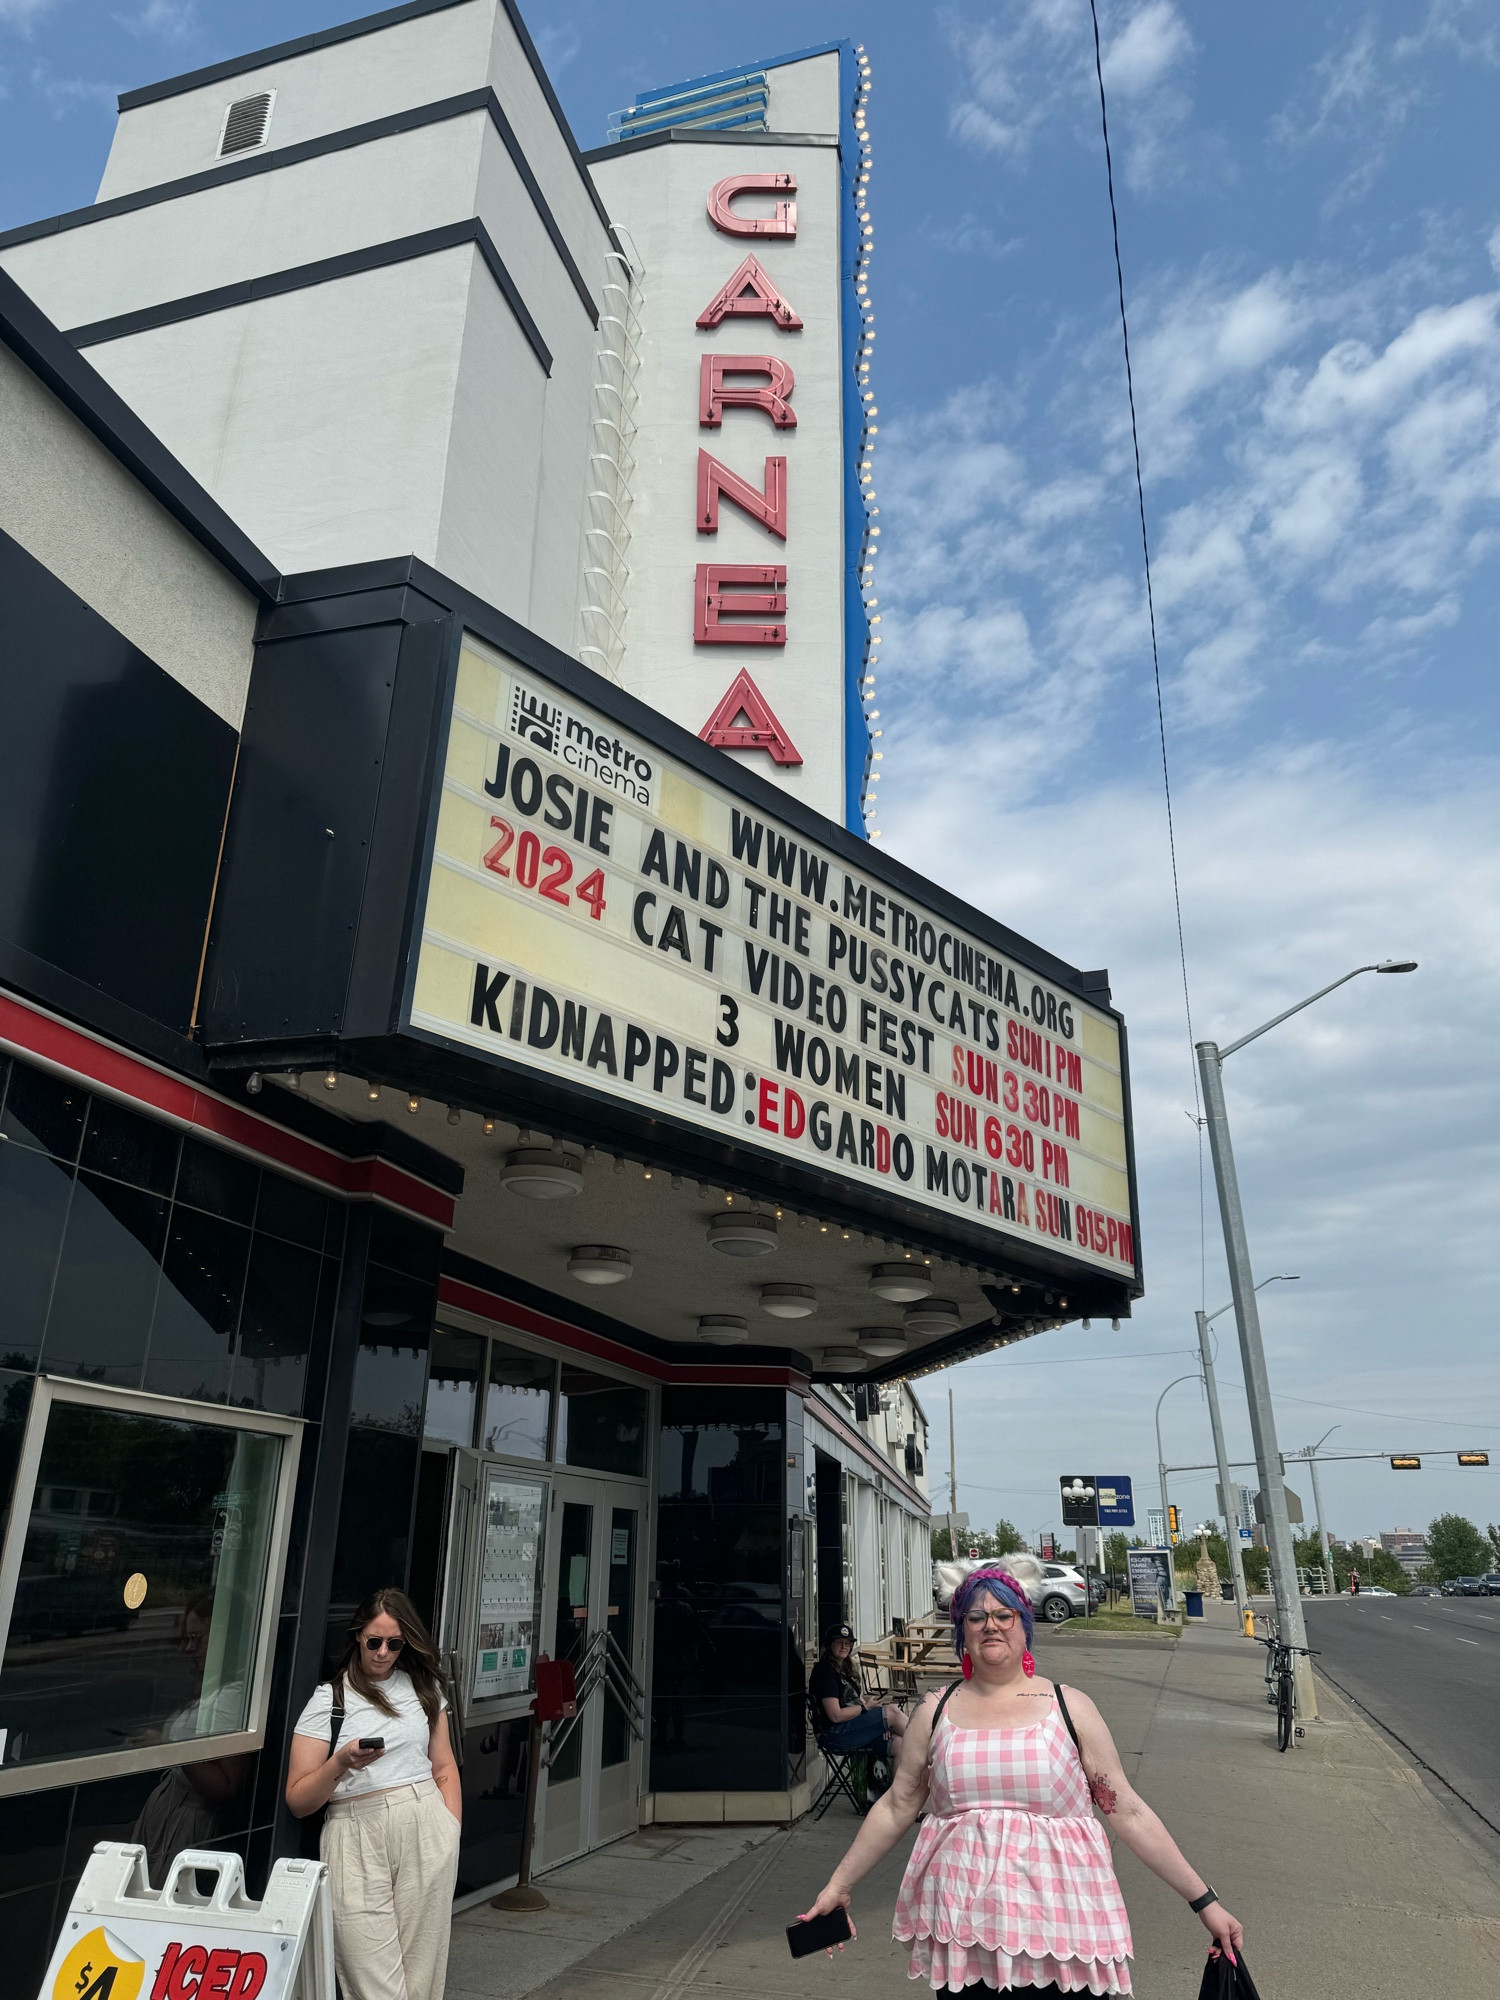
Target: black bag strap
point(1063, 1708)
point(951, 1689)
point(336, 1715)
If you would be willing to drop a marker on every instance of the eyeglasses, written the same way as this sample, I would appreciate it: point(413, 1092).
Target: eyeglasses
point(384, 1645)
point(980, 1621)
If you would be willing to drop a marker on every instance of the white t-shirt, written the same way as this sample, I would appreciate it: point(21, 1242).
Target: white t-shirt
point(406, 1734)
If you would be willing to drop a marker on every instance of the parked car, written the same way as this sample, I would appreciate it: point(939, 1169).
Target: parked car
point(1469, 1586)
point(1425, 1590)
point(1374, 1590)
point(1449, 1588)
point(1491, 1582)
point(1064, 1596)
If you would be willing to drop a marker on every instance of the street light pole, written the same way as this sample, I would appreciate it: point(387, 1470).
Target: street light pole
point(1252, 1352)
point(1310, 1453)
point(1231, 1524)
point(1231, 1527)
point(1161, 1458)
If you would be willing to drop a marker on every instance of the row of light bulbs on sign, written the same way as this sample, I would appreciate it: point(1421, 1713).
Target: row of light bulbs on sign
point(540, 1170)
point(864, 357)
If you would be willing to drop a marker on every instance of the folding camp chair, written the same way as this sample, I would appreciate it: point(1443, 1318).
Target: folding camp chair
point(841, 1771)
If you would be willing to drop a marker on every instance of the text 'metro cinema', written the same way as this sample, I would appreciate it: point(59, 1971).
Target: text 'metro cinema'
point(479, 1110)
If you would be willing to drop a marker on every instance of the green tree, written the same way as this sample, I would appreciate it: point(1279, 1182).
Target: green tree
point(1116, 1550)
point(1456, 1547)
point(1002, 1540)
point(1492, 1534)
point(1257, 1571)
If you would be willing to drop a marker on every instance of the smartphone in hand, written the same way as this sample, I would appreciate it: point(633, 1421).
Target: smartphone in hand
point(372, 1742)
point(819, 1933)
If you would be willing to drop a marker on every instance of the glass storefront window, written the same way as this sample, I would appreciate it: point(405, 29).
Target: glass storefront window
point(601, 1424)
point(517, 1402)
point(137, 1566)
point(453, 1379)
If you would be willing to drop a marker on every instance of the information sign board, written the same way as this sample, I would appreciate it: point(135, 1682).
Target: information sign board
point(509, 1584)
point(1150, 1580)
point(601, 913)
point(1116, 1500)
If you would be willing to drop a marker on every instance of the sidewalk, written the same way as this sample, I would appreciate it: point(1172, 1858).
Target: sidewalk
point(1348, 1874)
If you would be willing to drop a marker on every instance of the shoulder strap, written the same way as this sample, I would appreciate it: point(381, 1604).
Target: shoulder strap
point(1063, 1709)
point(951, 1689)
point(336, 1714)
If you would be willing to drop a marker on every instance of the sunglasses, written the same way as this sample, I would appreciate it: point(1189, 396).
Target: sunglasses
point(979, 1621)
point(384, 1645)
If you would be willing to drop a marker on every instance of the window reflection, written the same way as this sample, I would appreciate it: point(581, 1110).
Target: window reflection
point(138, 1603)
point(453, 1380)
point(601, 1423)
point(517, 1402)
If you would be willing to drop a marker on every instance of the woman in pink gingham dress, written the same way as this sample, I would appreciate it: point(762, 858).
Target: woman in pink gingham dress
point(1010, 1882)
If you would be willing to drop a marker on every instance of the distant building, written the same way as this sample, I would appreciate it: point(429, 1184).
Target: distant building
point(1408, 1546)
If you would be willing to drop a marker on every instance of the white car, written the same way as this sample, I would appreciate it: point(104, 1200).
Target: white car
point(1063, 1595)
point(1374, 1590)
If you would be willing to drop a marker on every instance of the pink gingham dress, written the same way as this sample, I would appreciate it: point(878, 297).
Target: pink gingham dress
point(1010, 1882)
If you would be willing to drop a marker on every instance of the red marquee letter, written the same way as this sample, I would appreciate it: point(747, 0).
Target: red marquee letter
point(774, 396)
point(751, 290)
point(743, 721)
point(783, 222)
point(768, 507)
point(725, 587)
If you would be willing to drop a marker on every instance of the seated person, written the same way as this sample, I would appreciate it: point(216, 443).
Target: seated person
point(842, 1718)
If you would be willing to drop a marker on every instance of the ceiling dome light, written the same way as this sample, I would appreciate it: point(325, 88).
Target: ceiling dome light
point(788, 1301)
point(599, 1264)
point(932, 1316)
point(742, 1235)
point(542, 1173)
point(900, 1283)
point(881, 1343)
point(844, 1360)
point(723, 1329)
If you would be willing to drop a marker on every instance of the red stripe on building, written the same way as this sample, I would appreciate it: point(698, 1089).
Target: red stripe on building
point(485, 1304)
point(72, 1052)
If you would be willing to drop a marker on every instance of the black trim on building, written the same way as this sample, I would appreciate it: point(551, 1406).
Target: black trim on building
point(692, 135)
point(414, 120)
point(349, 31)
point(327, 270)
point(32, 337)
point(300, 45)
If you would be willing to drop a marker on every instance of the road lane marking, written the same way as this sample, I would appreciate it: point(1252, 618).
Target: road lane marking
point(1466, 1642)
point(1387, 1617)
point(1423, 1628)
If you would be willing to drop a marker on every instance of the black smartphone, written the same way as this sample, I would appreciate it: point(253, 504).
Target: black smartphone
point(372, 1742)
point(819, 1933)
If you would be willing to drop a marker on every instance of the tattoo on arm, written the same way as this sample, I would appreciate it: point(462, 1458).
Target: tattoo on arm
point(1102, 1793)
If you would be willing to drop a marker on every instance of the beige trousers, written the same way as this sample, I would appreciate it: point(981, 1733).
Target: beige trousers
point(392, 1857)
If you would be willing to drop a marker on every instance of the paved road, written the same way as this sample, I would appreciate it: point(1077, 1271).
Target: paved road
point(1428, 1669)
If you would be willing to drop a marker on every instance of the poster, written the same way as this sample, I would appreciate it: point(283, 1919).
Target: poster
point(133, 1958)
point(510, 1582)
point(1150, 1578)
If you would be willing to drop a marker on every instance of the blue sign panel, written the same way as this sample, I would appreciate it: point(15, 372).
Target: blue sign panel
point(1116, 1504)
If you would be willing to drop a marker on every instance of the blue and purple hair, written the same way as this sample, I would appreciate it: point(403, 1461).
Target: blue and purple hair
point(1000, 1585)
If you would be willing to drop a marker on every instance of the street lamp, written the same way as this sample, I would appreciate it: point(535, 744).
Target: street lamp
point(1231, 1528)
point(1310, 1453)
point(1252, 1353)
point(1161, 1461)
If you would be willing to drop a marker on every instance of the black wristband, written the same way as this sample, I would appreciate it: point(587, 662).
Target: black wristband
point(1202, 1902)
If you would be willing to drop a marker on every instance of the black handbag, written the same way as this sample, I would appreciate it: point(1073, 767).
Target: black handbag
point(1223, 1980)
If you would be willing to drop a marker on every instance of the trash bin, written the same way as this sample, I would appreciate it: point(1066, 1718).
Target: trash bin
point(1226, 1591)
point(1194, 1600)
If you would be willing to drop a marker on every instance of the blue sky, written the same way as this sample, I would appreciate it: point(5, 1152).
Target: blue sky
point(1310, 224)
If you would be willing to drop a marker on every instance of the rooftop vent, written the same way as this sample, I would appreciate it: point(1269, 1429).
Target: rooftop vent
point(245, 123)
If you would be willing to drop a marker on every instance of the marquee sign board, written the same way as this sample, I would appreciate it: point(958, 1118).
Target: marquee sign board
point(603, 914)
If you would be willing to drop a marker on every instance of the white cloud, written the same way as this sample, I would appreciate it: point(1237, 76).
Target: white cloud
point(23, 14)
point(65, 94)
point(1030, 69)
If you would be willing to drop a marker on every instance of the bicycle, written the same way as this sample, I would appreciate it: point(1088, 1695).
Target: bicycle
point(1281, 1687)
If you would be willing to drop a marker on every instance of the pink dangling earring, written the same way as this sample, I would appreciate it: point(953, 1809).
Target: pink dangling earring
point(1028, 1665)
point(968, 1667)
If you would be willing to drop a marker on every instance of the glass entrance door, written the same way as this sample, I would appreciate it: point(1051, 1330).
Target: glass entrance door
point(593, 1620)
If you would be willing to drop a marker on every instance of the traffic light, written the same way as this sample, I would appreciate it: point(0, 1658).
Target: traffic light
point(1406, 1462)
point(1172, 1525)
point(1473, 1458)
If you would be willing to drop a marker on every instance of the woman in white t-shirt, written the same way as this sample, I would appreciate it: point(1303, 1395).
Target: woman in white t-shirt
point(386, 1772)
